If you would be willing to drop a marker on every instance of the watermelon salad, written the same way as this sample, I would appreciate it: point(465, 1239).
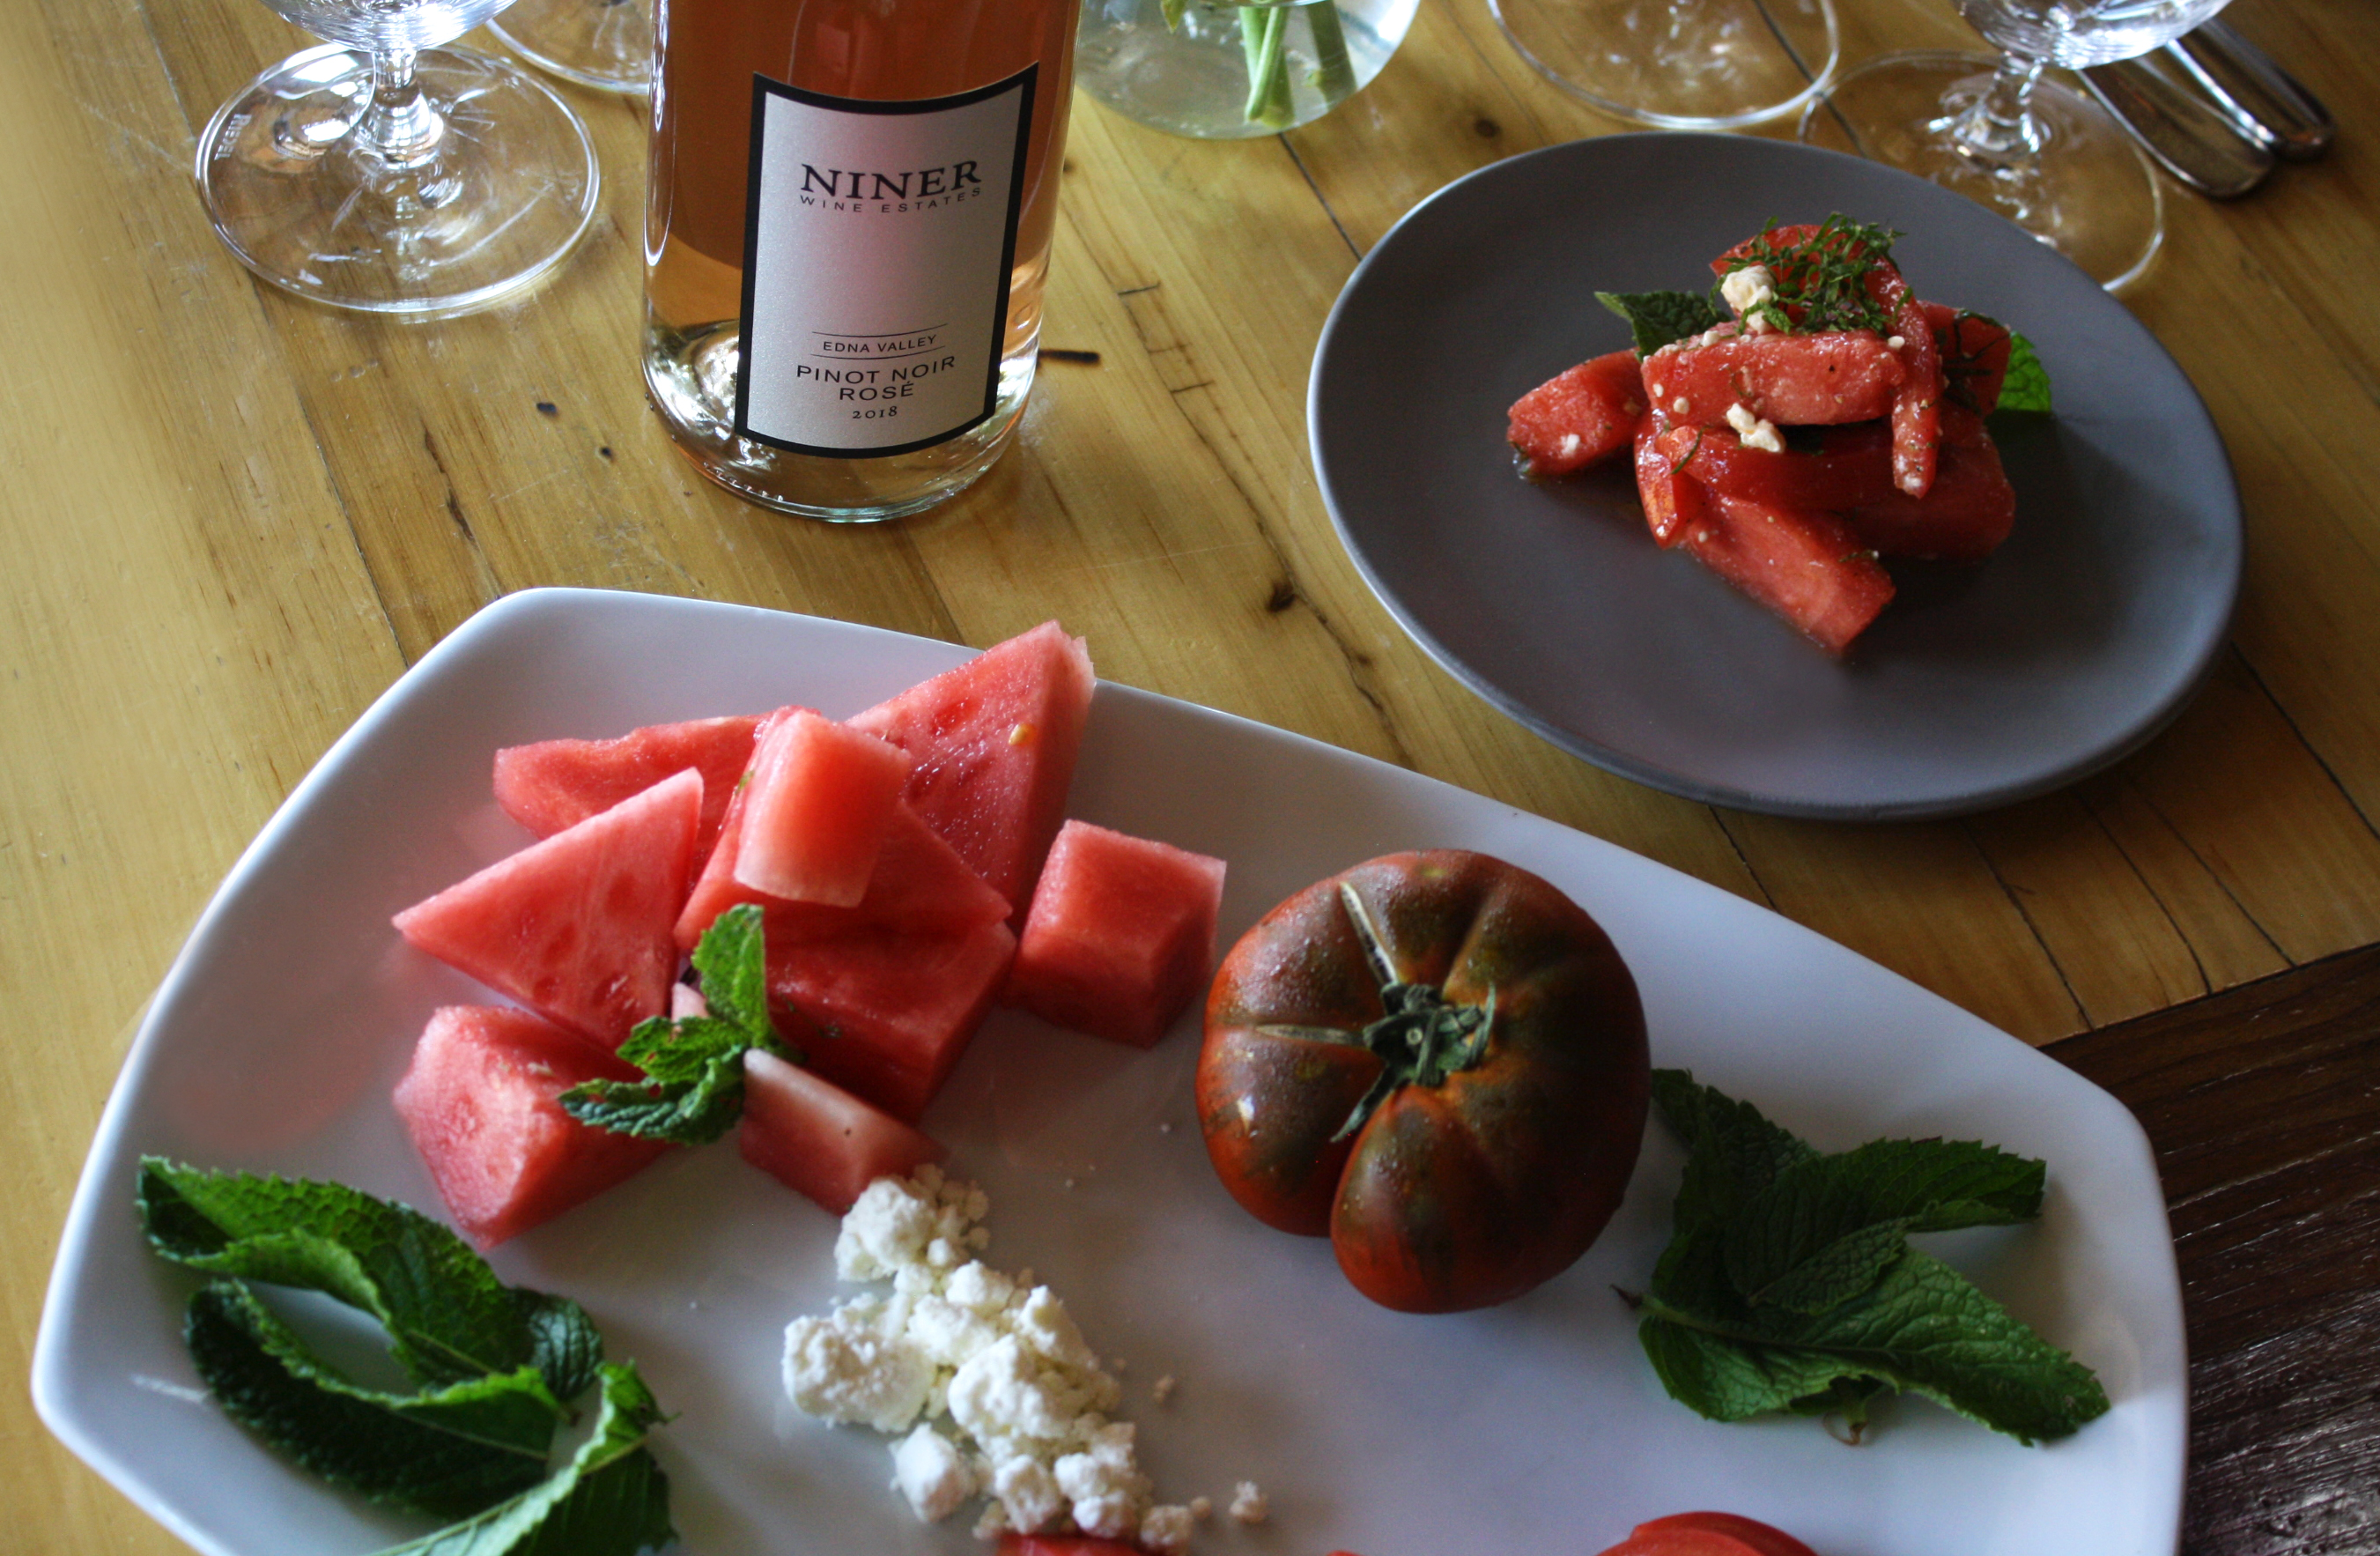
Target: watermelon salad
point(890, 861)
point(1823, 419)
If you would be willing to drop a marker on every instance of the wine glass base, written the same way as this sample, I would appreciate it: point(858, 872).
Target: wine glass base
point(503, 197)
point(2088, 192)
point(607, 44)
point(1679, 64)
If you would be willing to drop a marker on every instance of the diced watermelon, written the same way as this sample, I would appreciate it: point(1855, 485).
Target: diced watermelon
point(1674, 501)
point(1805, 566)
point(920, 883)
point(578, 927)
point(480, 1102)
point(1793, 381)
point(1966, 516)
point(818, 1139)
point(1121, 937)
point(558, 783)
point(821, 798)
point(1854, 466)
point(885, 1014)
point(1578, 416)
point(995, 741)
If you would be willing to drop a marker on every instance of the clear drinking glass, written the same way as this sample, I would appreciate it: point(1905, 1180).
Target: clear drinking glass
point(381, 174)
point(1226, 72)
point(607, 44)
point(1679, 64)
point(2042, 154)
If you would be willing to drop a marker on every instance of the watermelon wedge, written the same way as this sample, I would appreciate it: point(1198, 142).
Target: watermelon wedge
point(1121, 937)
point(479, 1100)
point(821, 798)
point(558, 783)
point(1807, 566)
point(995, 742)
point(885, 1014)
point(818, 1139)
point(578, 927)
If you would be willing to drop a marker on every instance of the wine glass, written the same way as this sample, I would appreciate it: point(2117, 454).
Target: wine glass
point(2042, 154)
point(607, 44)
point(1679, 64)
point(379, 173)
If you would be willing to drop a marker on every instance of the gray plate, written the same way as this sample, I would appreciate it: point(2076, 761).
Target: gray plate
point(1979, 685)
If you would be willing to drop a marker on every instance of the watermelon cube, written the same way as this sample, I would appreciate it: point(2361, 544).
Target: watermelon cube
point(818, 1139)
point(1121, 937)
point(816, 808)
point(558, 783)
point(578, 927)
point(995, 742)
point(885, 1013)
point(1805, 565)
point(480, 1102)
point(919, 883)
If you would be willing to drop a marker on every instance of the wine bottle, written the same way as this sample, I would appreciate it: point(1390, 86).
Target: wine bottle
point(847, 229)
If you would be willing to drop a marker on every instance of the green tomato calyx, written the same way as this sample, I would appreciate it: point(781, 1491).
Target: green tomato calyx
point(1422, 1040)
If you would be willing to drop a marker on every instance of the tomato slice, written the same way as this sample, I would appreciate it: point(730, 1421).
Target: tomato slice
point(1759, 1539)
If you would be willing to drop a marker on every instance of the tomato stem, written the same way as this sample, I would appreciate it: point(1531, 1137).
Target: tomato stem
point(1422, 1038)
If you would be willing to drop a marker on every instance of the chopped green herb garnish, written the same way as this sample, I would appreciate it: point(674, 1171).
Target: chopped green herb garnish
point(1821, 278)
point(693, 1089)
point(1655, 319)
point(1789, 1283)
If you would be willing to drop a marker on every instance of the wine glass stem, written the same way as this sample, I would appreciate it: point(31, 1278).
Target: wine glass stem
point(1998, 125)
point(401, 129)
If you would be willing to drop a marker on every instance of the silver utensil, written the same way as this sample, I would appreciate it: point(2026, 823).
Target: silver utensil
point(2176, 121)
point(2264, 101)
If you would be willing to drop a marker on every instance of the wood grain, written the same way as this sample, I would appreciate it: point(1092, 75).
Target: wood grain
point(232, 520)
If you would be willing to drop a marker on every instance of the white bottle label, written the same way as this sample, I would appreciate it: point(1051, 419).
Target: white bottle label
point(876, 265)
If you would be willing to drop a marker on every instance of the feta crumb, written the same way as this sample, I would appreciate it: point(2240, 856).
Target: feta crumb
point(1895, 343)
point(1678, 406)
point(1163, 1390)
point(1167, 1529)
point(929, 1469)
point(1756, 431)
point(1029, 1494)
point(1248, 1505)
point(1569, 445)
point(845, 1367)
point(1746, 290)
point(1202, 1508)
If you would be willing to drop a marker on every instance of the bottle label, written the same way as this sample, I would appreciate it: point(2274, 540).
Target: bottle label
point(876, 252)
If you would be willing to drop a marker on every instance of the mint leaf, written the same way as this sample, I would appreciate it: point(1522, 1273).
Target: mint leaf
point(2026, 388)
point(611, 1500)
point(693, 1089)
point(448, 1317)
point(448, 1452)
point(1655, 319)
point(1789, 1283)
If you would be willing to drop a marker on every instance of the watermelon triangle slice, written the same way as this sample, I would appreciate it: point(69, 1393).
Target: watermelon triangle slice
point(995, 741)
point(578, 927)
point(558, 783)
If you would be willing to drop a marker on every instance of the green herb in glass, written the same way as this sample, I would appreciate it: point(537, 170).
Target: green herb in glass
point(1264, 35)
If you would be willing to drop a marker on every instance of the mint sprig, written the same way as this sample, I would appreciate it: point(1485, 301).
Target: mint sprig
point(610, 1500)
point(494, 1366)
point(1655, 319)
point(693, 1089)
point(1788, 1283)
point(447, 1316)
point(2026, 388)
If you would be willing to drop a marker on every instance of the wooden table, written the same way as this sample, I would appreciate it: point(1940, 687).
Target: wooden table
point(233, 520)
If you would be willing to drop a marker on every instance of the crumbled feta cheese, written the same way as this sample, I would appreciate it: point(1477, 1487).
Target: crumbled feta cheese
point(1167, 1529)
point(1746, 290)
point(1756, 431)
point(1895, 343)
point(1202, 1508)
point(1569, 445)
point(1163, 1390)
point(1248, 1505)
point(996, 1355)
point(929, 1469)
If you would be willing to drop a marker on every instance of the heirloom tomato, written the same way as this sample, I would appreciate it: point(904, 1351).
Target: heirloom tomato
point(1438, 1060)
